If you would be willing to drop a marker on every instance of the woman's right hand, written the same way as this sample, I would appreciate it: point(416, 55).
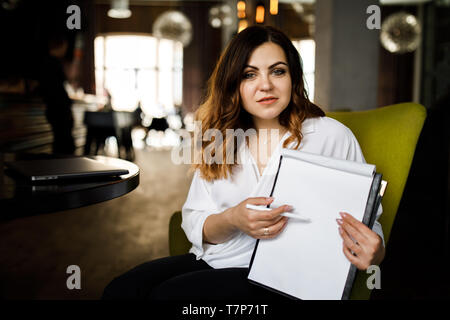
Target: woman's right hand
point(258, 224)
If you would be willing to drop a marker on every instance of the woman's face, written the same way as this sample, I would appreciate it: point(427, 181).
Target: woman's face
point(266, 82)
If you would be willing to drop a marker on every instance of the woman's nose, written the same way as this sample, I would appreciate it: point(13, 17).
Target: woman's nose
point(266, 83)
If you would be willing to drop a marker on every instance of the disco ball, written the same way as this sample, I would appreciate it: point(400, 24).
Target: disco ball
point(400, 33)
point(10, 4)
point(220, 15)
point(173, 25)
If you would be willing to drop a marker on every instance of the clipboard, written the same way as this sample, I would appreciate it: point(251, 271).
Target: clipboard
point(372, 202)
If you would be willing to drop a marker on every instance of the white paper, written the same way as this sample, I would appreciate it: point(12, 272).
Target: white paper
point(306, 259)
point(339, 164)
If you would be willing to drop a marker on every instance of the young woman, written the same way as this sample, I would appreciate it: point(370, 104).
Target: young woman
point(257, 84)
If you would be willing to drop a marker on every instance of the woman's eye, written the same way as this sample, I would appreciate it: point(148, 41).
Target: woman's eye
point(248, 75)
point(279, 72)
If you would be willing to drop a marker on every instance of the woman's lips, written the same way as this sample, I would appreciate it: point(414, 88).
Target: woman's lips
point(268, 101)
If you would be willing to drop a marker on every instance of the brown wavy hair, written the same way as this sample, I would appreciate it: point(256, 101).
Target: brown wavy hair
point(222, 108)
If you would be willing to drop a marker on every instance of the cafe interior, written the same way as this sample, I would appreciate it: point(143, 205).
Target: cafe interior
point(121, 80)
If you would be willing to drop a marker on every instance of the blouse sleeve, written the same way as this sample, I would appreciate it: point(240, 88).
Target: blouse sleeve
point(198, 206)
point(355, 154)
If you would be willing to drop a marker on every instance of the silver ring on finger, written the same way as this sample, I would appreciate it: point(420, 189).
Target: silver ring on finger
point(266, 231)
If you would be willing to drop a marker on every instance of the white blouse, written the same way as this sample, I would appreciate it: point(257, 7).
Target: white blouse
point(324, 136)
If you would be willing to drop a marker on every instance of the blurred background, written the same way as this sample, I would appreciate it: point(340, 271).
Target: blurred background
point(123, 78)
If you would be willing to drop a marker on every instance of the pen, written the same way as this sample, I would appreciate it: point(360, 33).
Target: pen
point(285, 214)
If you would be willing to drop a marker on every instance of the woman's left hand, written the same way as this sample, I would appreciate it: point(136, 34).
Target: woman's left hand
point(367, 246)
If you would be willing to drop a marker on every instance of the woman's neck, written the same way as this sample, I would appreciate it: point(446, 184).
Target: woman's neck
point(269, 135)
point(269, 125)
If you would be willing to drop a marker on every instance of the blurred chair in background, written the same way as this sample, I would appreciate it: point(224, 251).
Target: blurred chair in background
point(102, 125)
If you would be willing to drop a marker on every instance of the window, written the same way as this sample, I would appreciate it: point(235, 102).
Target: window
point(307, 50)
point(140, 68)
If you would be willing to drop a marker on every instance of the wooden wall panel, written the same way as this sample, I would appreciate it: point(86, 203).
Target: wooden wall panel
point(24, 127)
point(396, 71)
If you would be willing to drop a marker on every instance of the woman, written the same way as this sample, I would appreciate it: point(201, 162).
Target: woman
point(257, 84)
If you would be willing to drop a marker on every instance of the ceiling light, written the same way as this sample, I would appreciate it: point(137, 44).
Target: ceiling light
point(273, 7)
point(260, 13)
point(119, 9)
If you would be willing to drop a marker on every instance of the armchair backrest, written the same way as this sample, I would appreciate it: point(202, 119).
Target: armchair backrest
point(388, 137)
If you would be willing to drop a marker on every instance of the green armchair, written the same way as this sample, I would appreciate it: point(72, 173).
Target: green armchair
point(388, 138)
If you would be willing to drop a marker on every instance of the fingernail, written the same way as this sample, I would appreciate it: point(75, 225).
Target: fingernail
point(339, 221)
point(343, 214)
point(340, 230)
point(289, 208)
point(269, 198)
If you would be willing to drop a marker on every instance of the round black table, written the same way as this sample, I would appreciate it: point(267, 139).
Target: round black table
point(20, 197)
